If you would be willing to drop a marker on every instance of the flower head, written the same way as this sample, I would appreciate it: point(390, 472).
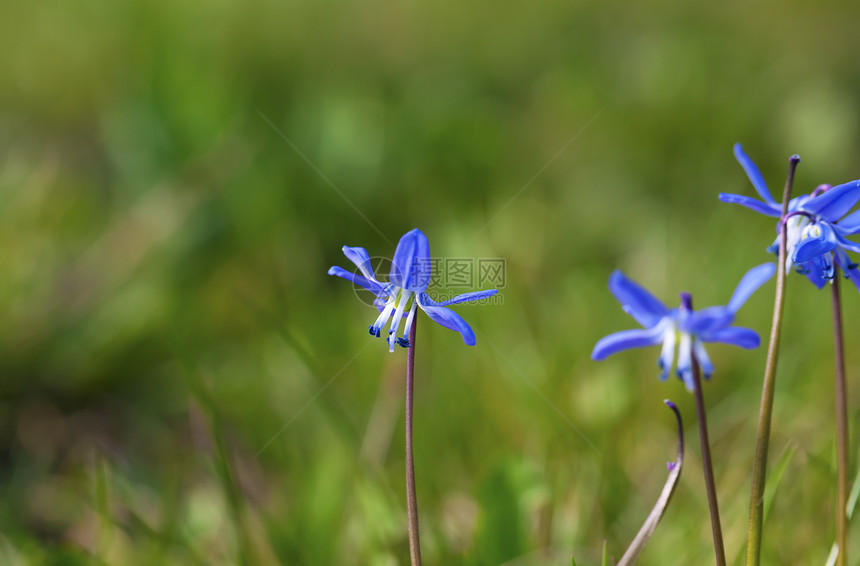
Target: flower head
point(407, 284)
point(816, 224)
point(683, 326)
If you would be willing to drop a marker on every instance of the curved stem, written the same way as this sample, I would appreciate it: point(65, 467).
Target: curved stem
point(762, 443)
point(841, 426)
point(411, 498)
point(659, 508)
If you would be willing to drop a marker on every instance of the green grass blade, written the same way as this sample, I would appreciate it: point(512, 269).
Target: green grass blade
point(776, 477)
point(852, 504)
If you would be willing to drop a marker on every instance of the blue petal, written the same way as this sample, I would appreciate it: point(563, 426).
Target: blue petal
point(796, 204)
point(410, 267)
point(625, 340)
point(774, 247)
point(702, 357)
point(846, 243)
point(704, 321)
point(749, 284)
point(465, 297)
point(356, 279)
point(836, 202)
point(824, 263)
point(854, 277)
point(849, 267)
point(361, 259)
point(754, 174)
point(447, 318)
point(636, 301)
point(850, 224)
point(736, 336)
point(809, 248)
point(754, 204)
point(812, 271)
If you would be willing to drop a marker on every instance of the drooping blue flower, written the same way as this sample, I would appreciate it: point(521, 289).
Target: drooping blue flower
point(407, 283)
point(816, 225)
point(687, 328)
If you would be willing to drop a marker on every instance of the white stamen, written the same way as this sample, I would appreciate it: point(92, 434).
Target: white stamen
point(811, 231)
point(795, 232)
point(684, 361)
point(667, 355)
point(384, 315)
point(395, 321)
point(408, 327)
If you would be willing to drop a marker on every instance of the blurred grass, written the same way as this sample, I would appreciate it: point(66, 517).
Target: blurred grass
point(149, 213)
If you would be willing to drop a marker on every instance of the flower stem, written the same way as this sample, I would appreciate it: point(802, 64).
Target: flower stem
point(659, 508)
point(766, 408)
point(707, 466)
point(841, 426)
point(411, 498)
point(719, 549)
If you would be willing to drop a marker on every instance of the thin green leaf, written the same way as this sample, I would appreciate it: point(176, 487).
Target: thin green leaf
point(605, 560)
point(770, 489)
point(776, 477)
point(855, 494)
point(852, 504)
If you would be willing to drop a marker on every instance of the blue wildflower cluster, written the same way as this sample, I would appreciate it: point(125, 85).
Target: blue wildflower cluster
point(816, 229)
point(816, 225)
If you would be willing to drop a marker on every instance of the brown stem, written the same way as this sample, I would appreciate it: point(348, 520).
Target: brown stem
point(411, 497)
point(841, 427)
point(707, 466)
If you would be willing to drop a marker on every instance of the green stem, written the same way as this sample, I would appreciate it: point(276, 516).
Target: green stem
point(841, 426)
point(759, 473)
point(411, 497)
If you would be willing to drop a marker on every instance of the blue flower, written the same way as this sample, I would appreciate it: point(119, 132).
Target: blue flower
point(690, 329)
point(407, 282)
point(816, 225)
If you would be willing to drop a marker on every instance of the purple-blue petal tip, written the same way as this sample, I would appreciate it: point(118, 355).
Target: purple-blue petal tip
point(687, 300)
point(795, 159)
point(820, 189)
point(670, 404)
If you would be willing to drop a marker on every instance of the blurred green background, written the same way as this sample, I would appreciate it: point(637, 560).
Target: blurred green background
point(182, 383)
